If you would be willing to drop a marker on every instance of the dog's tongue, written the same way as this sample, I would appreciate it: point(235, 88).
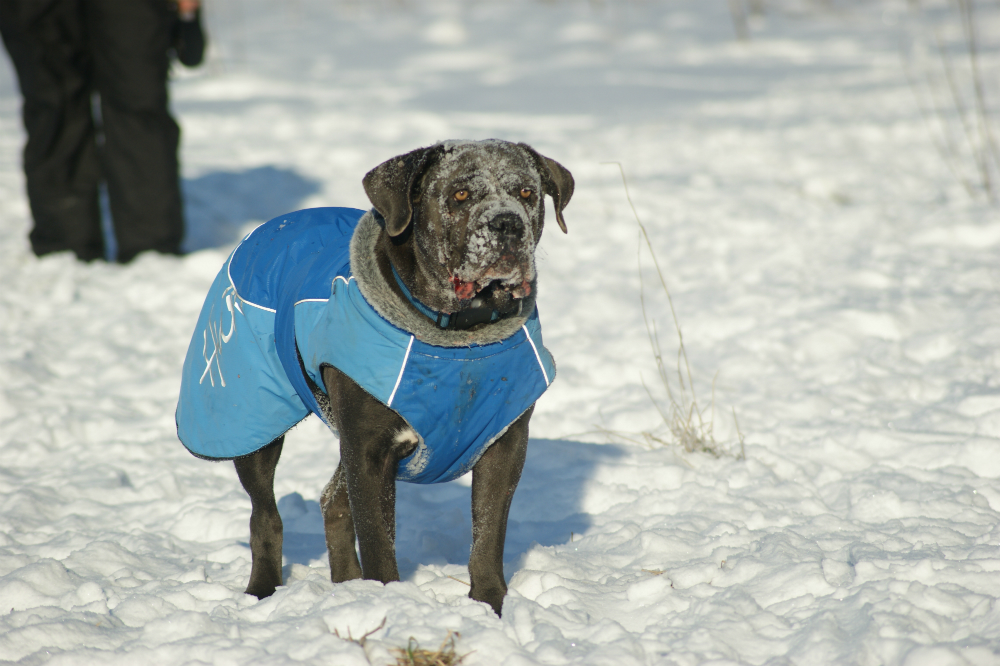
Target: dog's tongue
point(464, 290)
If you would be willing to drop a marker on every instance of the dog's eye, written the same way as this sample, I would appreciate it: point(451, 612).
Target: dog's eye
point(461, 195)
point(525, 192)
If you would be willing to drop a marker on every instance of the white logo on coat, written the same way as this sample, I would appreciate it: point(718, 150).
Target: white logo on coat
point(219, 338)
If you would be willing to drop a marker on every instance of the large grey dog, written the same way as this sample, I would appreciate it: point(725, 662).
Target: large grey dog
point(456, 226)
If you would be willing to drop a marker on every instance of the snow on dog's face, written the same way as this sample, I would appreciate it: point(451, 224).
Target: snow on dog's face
point(484, 214)
point(470, 214)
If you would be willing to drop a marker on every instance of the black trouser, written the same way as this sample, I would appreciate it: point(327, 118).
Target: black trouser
point(64, 51)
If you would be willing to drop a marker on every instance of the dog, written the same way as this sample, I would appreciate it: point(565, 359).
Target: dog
point(410, 329)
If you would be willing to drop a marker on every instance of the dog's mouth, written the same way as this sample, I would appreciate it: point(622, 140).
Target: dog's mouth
point(506, 279)
point(466, 290)
point(491, 300)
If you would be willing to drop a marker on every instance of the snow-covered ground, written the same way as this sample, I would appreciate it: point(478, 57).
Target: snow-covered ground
point(831, 274)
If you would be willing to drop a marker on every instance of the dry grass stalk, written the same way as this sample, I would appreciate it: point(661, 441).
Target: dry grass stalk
point(962, 106)
point(414, 655)
point(360, 641)
point(684, 419)
point(459, 580)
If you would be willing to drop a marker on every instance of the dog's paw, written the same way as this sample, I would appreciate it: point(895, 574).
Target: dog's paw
point(491, 595)
point(261, 589)
point(260, 594)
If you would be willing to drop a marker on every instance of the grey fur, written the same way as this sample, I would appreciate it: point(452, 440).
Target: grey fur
point(400, 313)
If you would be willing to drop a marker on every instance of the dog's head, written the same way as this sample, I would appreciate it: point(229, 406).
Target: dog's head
point(462, 219)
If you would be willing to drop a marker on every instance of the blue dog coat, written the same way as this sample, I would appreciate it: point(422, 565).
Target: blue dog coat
point(287, 292)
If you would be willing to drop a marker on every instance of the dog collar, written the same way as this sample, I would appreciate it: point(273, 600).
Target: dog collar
point(459, 320)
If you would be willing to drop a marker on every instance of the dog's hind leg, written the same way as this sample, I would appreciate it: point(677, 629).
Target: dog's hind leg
point(494, 480)
point(339, 527)
point(256, 472)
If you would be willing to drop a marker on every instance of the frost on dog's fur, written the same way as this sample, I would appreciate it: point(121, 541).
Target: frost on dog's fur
point(495, 190)
point(477, 245)
point(469, 246)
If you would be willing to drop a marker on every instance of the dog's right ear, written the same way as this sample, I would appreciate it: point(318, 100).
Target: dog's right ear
point(390, 187)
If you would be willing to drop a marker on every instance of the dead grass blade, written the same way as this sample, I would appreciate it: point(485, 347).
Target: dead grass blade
point(364, 637)
point(683, 418)
point(959, 103)
point(414, 655)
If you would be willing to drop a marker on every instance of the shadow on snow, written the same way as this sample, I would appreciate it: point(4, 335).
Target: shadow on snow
point(223, 206)
point(433, 522)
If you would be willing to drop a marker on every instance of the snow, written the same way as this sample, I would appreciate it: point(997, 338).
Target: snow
point(835, 281)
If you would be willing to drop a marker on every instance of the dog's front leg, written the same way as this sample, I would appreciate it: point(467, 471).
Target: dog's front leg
point(373, 439)
point(494, 480)
point(256, 472)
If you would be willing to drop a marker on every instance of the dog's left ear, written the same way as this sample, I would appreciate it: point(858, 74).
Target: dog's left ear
point(390, 185)
point(557, 182)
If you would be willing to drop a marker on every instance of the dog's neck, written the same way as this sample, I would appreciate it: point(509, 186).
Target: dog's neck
point(388, 295)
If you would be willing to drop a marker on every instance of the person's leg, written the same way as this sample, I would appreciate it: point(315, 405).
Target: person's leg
point(46, 43)
point(129, 40)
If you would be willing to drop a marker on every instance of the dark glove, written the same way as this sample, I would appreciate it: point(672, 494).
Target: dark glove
point(189, 41)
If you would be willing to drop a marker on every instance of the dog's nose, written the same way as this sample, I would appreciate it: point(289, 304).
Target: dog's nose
point(506, 224)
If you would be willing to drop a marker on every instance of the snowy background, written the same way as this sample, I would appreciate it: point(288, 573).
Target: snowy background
point(815, 202)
